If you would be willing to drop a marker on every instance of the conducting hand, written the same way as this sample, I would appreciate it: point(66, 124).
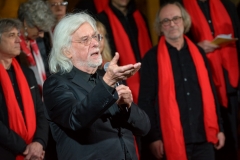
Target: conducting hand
point(207, 46)
point(117, 73)
point(125, 96)
point(34, 151)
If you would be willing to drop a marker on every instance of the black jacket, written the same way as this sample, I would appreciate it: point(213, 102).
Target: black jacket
point(85, 121)
point(11, 143)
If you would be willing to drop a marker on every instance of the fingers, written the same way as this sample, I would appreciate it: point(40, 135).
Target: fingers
point(117, 73)
point(156, 148)
point(207, 46)
point(115, 58)
point(34, 151)
point(221, 141)
point(125, 95)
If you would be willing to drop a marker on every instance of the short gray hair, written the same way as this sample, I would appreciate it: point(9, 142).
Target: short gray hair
point(7, 24)
point(62, 40)
point(37, 13)
point(185, 16)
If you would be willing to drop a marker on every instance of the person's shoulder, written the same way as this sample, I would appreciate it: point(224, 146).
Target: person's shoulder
point(27, 71)
point(227, 2)
point(56, 77)
point(102, 16)
point(230, 6)
point(152, 51)
point(150, 54)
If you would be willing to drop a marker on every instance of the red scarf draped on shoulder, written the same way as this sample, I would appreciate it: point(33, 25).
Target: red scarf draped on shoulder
point(124, 47)
point(100, 5)
point(226, 56)
point(168, 107)
point(35, 60)
point(23, 125)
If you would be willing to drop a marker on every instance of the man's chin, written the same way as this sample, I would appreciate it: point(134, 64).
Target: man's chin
point(95, 64)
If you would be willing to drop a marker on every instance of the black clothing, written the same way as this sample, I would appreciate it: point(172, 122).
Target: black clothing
point(200, 151)
point(44, 51)
point(230, 113)
point(188, 95)
point(206, 11)
point(10, 142)
point(129, 25)
point(85, 121)
point(86, 6)
point(13, 79)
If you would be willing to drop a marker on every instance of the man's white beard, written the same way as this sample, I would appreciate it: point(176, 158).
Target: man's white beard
point(90, 63)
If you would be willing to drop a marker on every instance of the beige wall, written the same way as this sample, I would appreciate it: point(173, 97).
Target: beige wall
point(8, 8)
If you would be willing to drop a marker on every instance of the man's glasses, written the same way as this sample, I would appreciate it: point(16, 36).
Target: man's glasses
point(87, 40)
point(65, 3)
point(167, 22)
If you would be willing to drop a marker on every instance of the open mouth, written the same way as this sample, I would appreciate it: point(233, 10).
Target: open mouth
point(95, 53)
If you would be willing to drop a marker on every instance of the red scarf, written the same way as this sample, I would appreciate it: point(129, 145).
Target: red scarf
point(35, 60)
point(169, 112)
point(24, 126)
point(226, 56)
point(100, 5)
point(124, 47)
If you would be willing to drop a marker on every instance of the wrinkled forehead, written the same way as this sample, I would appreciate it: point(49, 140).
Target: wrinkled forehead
point(11, 30)
point(169, 11)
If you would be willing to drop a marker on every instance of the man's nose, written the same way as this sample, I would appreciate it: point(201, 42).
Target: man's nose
point(18, 40)
point(172, 23)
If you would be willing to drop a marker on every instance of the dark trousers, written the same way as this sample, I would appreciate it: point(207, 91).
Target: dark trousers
point(200, 151)
point(195, 151)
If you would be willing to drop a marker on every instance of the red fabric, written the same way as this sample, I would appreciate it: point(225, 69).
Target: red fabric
point(100, 5)
point(169, 112)
point(24, 126)
point(124, 47)
point(35, 59)
point(226, 56)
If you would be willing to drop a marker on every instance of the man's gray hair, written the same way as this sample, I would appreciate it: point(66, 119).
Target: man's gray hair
point(185, 16)
point(7, 24)
point(62, 40)
point(37, 13)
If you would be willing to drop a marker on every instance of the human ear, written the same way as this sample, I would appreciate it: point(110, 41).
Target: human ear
point(67, 53)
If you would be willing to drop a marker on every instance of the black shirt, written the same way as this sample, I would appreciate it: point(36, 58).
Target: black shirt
point(92, 79)
point(129, 25)
point(13, 79)
point(188, 93)
point(204, 6)
point(95, 77)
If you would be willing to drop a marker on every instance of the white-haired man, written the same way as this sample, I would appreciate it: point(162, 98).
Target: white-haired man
point(90, 118)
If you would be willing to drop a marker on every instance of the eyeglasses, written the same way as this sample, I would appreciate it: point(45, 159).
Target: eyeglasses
point(87, 40)
point(65, 3)
point(167, 22)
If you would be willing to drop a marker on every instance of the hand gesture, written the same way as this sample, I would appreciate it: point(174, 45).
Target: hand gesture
point(117, 73)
